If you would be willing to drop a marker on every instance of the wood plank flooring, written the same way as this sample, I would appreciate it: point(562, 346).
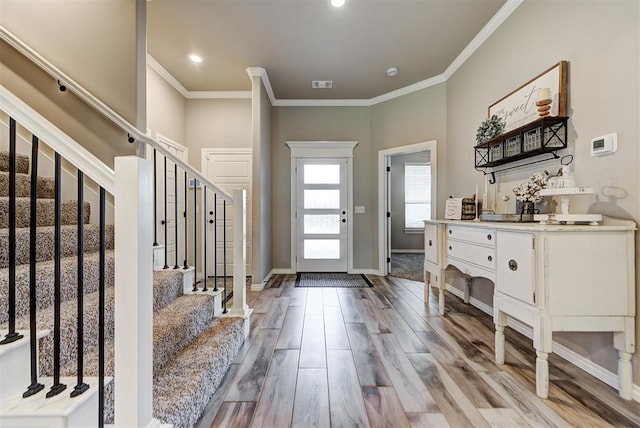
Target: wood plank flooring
point(380, 357)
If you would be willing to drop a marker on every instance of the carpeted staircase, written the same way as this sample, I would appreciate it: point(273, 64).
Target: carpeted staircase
point(192, 349)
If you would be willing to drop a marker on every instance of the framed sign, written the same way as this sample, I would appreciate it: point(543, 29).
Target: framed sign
point(543, 96)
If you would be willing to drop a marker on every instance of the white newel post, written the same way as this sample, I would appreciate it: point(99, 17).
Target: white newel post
point(134, 293)
point(240, 308)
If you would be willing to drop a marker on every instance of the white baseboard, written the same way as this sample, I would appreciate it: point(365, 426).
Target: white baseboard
point(365, 271)
point(411, 251)
point(281, 271)
point(573, 357)
point(260, 286)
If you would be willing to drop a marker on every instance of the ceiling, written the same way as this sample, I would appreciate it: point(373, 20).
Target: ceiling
point(297, 41)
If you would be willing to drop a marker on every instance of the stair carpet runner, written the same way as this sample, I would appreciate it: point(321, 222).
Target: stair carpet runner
point(192, 349)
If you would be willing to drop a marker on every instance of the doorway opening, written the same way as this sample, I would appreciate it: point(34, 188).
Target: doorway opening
point(406, 196)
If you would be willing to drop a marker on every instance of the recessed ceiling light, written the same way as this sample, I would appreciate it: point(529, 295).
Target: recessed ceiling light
point(337, 3)
point(195, 58)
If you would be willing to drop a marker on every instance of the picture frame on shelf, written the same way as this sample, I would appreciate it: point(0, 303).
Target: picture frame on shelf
point(543, 96)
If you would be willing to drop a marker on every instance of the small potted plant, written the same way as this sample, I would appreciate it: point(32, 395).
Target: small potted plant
point(490, 128)
point(528, 193)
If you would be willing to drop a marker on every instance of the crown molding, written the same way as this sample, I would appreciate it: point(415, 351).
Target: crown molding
point(203, 95)
point(262, 73)
point(168, 77)
point(322, 103)
point(494, 23)
point(427, 83)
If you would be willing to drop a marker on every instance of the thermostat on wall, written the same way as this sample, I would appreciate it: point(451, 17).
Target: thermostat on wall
point(604, 145)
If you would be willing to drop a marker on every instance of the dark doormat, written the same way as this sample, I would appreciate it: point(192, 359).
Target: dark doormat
point(330, 279)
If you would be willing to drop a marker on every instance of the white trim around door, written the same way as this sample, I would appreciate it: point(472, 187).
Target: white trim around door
point(316, 150)
point(383, 203)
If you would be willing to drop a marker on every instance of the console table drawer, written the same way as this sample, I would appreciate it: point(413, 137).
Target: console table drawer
point(472, 253)
point(486, 237)
point(431, 243)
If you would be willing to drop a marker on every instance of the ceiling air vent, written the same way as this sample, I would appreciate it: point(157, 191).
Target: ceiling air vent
point(322, 84)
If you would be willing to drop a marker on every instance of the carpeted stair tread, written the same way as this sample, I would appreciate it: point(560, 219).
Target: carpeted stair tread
point(46, 186)
point(45, 212)
point(177, 324)
point(45, 239)
point(167, 287)
point(22, 162)
point(45, 282)
point(68, 328)
point(184, 387)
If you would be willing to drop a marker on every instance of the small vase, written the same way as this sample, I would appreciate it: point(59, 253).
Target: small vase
point(525, 207)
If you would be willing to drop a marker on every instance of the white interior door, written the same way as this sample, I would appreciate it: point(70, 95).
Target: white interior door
point(173, 200)
point(321, 215)
point(229, 170)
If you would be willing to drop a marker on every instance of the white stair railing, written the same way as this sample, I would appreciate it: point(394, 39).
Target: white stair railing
point(132, 206)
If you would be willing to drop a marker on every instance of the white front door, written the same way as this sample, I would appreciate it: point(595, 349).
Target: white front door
point(229, 169)
point(321, 214)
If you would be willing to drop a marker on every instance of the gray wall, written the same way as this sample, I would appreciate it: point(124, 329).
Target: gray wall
point(217, 123)
point(601, 42)
point(313, 124)
point(166, 109)
point(79, 38)
point(261, 187)
point(66, 111)
point(414, 118)
point(401, 240)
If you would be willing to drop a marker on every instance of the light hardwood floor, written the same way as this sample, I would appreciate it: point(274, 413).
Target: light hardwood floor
point(380, 357)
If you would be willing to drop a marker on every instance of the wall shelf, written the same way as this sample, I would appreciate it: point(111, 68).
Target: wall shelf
point(546, 135)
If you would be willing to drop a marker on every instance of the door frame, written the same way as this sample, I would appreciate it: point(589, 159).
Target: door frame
point(383, 190)
point(316, 150)
point(204, 153)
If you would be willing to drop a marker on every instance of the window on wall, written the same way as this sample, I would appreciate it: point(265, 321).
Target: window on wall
point(417, 194)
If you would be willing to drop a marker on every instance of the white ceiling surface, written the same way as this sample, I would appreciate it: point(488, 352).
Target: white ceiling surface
point(297, 41)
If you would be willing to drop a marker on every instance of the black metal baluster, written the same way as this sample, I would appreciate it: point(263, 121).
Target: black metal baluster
point(80, 386)
point(166, 220)
point(195, 235)
point(204, 239)
point(155, 200)
point(57, 387)
point(175, 212)
point(12, 335)
point(35, 387)
point(224, 253)
point(215, 242)
point(186, 229)
point(101, 309)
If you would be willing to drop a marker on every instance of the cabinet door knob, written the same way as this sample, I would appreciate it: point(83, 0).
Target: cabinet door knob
point(450, 248)
point(210, 221)
point(430, 243)
point(490, 258)
point(489, 237)
point(513, 265)
point(450, 232)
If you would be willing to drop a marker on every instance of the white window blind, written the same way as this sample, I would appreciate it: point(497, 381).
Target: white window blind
point(417, 194)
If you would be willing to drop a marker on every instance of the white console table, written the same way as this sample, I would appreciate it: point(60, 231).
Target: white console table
point(550, 277)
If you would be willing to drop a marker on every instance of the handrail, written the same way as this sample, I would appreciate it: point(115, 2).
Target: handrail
point(69, 149)
point(103, 109)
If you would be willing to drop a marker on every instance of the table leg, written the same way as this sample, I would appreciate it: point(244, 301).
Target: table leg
point(500, 320)
point(542, 374)
point(624, 342)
